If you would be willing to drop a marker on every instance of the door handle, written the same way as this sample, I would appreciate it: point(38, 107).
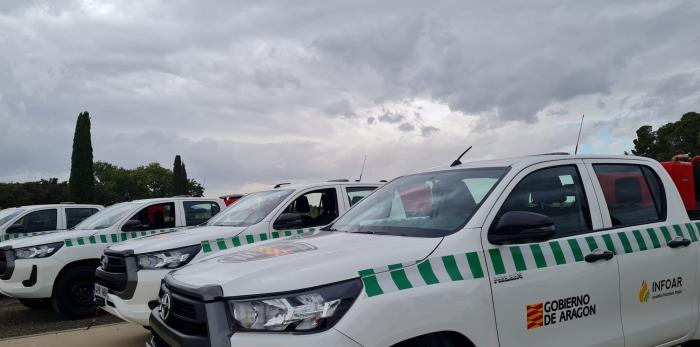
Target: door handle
point(597, 256)
point(679, 243)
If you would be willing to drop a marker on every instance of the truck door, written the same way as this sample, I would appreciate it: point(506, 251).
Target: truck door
point(657, 255)
point(559, 291)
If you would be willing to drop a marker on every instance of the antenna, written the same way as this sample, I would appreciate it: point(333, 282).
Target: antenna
point(457, 162)
point(579, 134)
point(363, 168)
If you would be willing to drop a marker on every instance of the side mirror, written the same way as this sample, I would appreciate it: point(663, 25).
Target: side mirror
point(132, 225)
point(15, 229)
point(522, 227)
point(288, 221)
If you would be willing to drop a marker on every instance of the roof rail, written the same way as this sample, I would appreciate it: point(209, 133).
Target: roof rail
point(552, 153)
point(281, 184)
point(67, 203)
point(340, 180)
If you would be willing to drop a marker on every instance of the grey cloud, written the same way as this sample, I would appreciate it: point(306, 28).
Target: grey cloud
point(163, 77)
point(339, 108)
point(406, 127)
point(428, 131)
point(390, 117)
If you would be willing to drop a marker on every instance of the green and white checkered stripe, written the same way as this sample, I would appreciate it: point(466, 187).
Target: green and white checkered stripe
point(7, 237)
point(519, 258)
point(427, 272)
point(113, 238)
point(221, 244)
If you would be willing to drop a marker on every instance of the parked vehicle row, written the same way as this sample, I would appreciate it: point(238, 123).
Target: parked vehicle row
point(543, 250)
point(59, 268)
point(551, 250)
point(129, 278)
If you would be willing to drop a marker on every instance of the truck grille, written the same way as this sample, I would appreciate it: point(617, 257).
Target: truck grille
point(3, 262)
point(187, 315)
point(115, 264)
point(116, 269)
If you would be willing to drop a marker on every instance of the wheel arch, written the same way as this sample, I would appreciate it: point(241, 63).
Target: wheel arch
point(454, 338)
point(71, 265)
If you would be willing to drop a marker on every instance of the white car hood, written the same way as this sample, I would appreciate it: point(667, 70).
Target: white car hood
point(177, 239)
point(327, 257)
point(47, 238)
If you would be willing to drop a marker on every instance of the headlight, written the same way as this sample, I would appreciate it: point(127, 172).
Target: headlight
point(41, 251)
point(306, 311)
point(171, 259)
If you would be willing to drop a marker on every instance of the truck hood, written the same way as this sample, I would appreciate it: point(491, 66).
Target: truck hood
point(176, 239)
point(302, 262)
point(47, 238)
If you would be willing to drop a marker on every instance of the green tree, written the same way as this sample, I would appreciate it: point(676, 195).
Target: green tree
point(184, 181)
point(645, 142)
point(662, 144)
point(82, 179)
point(178, 188)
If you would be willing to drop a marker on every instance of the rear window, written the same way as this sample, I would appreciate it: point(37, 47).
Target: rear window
point(76, 215)
point(355, 194)
point(633, 194)
point(199, 212)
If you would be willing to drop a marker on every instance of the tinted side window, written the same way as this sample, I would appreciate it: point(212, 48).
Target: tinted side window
point(355, 194)
point(37, 221)
point(199, 212)
point(76, 215)
point(158, 216)
point(556, 192)
point(316, 208)
point(630, 197)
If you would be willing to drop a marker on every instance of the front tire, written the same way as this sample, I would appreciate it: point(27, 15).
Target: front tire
point(36, 304)
point(73, 293)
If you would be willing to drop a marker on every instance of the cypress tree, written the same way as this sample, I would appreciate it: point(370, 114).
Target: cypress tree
point(82, 178)
point(183, 181)
point(177, 176)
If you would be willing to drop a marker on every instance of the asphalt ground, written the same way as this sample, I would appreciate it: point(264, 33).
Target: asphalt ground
point(17, 320)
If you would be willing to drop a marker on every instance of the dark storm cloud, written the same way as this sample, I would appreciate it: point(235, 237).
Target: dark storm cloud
point(280, 89)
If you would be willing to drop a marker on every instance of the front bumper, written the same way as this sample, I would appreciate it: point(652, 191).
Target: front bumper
point(136, 308)
point(31, 279)
point(327, 338)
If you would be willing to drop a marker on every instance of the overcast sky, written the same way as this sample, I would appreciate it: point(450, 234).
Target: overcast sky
point(260, 92)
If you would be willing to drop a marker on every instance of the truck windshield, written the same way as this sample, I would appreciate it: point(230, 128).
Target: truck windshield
point(251, 209)
point(6, 215)
point(431, 204)
point(107, 217)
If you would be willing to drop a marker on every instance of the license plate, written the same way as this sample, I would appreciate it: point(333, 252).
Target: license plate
point(101, 292)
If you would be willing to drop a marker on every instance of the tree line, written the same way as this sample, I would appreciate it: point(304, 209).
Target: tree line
point(682, 136)
point(101, 182)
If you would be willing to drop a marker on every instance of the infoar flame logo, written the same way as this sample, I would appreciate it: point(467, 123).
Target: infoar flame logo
point(644, 292)
point(535, 316)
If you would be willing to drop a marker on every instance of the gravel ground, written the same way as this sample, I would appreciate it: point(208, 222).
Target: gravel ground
point(17, 320)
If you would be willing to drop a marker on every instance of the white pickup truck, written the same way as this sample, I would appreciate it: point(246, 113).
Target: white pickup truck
point(33, 220)
point(129, 279)
point(58, 269)
point(549, 250)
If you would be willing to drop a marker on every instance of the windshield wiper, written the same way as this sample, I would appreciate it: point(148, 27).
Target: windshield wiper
point(368, 232)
